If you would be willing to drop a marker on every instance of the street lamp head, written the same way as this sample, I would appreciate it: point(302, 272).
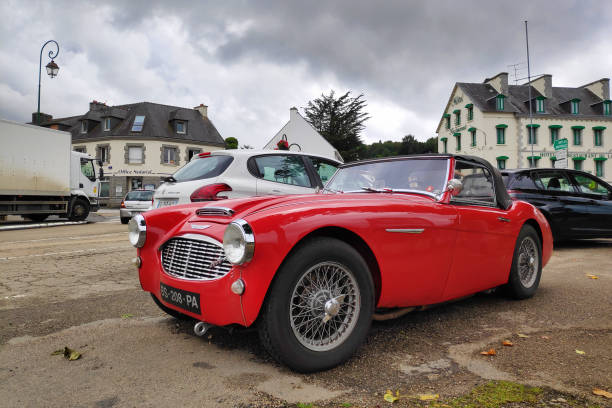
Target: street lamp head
point(52, 69)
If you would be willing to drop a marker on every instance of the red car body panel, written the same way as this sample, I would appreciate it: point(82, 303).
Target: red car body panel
point(461, 250)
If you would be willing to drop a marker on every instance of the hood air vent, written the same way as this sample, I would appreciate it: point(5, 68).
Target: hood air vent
point(215, 212)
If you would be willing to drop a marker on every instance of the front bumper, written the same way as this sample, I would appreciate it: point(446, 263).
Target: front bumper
point(126, 213)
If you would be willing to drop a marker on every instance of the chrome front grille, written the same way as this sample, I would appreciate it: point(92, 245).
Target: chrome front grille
point(195, 259)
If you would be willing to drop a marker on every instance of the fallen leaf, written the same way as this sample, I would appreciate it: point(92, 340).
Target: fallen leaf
point(429, 397)
point(546, 337)
point(491, 352)
point(507, 343)
point(126, 315)
point(71, 354)
point(389, 397)
point(580, 352)
point(57, 352)
point(602, 393)
point(523, 336)
point(592, 276)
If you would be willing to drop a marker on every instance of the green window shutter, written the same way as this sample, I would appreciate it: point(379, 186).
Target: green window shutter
point(599, 168)
point(458, 138)
point(532, 134)
point(540, 104)
point(501, 135)
point(554, 135)
point(501, 164)
point(575, 103)
point(606, 108)
point(597, 137)
point(447, 117)
point(577, 135)
point(499, 102)
point(445, 145)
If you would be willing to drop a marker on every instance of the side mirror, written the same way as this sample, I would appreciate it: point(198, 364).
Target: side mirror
point(101, 173)
point(455, 186)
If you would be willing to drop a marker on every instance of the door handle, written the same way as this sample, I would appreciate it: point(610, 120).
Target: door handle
point(502, 219)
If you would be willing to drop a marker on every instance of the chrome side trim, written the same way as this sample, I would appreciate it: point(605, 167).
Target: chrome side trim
point(406, 230)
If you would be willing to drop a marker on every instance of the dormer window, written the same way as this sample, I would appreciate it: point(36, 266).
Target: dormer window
point(575, 104)
point(83, 126)
point(180, 126)
point(606, 108)
point(138, 123)
point(106, 124)
point(540, 104)
point(499, 102)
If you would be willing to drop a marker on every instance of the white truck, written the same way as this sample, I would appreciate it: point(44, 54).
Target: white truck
point(40, 175)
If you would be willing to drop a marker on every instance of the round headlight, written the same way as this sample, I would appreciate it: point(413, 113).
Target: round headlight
point(137, 229)
point(238, 242)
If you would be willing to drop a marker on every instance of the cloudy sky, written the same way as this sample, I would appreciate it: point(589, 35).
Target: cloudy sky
point(251, 61)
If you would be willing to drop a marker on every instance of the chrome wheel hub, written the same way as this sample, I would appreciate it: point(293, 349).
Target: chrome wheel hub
point(528, 262)
point(325, 306)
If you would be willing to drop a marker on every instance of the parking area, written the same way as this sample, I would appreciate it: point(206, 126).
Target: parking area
point(75, 286)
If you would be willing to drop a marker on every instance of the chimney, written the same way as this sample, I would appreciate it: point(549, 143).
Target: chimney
point(499, 82)
point(600, 88)
point(293, 113)
point(95, 105)
point(543, 85)
point(203, 109)
point(44, 117)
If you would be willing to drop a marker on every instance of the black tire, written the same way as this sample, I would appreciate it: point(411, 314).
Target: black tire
point(125, 220)
point(297, 298)
point(171, 312)
point(526, 271)
point(37, 217)
point(79, 211)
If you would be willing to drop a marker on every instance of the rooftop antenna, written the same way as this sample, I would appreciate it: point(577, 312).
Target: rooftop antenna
point(530, 132)
point(516, 68)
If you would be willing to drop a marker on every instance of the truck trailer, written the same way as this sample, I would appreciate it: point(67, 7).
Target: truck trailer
point(40, 175)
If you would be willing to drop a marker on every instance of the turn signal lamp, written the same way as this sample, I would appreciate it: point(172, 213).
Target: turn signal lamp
point(210, 192)
point(122, 204)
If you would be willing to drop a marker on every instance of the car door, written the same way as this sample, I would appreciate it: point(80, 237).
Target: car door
point(485, 241)
point(281, 174)
point(555, 197)
point(594, 214)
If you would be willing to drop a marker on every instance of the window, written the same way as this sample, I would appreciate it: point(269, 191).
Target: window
point(103, 153)
point(192, 152)
point(80, 149)
point(597, 137)
point(169, 155)
point(589, 185)
point(554, 134)
point(204, 167)
point(540, 104)
point(447, 117)
point(135, 155)
point(470, 111)
point(499, 104)
point(599, 168)
point(578, 163)
point(135, 183)
point(87, 169)
point(553, 181)
point(532, 134)
point(501, 164)
point(106, 124)
point(324, 168)
point(533, 161)
point(138, 123)
point(501, 135)
point(83, 126)
point(606, 108)
point(445, 146)
point(577, 136)
point(457, 117)
point(478, 187)
point(458, 138)
point(473, 136)
point(575, 103)
point(181, 127)
point(283, 169)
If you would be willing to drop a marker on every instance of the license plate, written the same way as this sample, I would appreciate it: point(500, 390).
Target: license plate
point(166, 202)
point(181, 298)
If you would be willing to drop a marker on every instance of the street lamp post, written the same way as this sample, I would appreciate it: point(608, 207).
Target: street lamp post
point(52, 70)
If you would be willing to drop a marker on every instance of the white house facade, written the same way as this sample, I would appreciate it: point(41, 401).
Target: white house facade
point(491, 120)
point(301, 136)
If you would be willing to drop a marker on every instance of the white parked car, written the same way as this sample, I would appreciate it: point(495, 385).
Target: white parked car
point(135, 202)
point(242, 173)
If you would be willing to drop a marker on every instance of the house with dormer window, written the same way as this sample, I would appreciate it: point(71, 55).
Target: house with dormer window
point(139, 144)
point(500, 128)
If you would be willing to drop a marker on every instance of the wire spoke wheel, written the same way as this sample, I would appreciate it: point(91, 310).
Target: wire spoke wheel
point(528, 262)
point(325, 306)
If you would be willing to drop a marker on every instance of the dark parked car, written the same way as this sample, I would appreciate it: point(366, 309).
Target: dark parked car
point(576, 204)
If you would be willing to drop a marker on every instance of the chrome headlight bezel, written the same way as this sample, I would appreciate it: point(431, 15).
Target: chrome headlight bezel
point(137, 231)
point(238, 242)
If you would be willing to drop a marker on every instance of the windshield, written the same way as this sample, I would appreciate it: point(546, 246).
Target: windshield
point(205, 167)
point(139, 195)
point(419, 175)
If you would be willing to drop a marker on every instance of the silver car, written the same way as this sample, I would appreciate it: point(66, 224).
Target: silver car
point(135, 202)
point(242, 173)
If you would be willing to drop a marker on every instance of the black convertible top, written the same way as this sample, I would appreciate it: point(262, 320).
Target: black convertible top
point(501, 195)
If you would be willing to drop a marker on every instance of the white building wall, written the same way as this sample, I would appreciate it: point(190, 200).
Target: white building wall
point(301, 136)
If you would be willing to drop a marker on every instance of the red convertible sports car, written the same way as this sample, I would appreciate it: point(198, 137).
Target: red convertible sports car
point(312, 271)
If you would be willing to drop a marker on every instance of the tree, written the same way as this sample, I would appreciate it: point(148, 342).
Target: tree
point(231, 143)
point(339, 121)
